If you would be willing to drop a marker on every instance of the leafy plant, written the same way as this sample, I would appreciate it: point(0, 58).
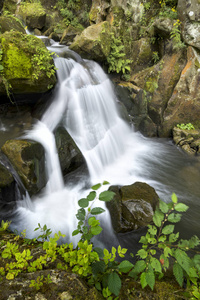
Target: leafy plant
point(40, 280)
point(155, 56)
point(160, 244)
point(187, 126)
point(175, 35)
point(88, 225)
point(116, 59)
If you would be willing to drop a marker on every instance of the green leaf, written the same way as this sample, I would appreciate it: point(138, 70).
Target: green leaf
point(114, 283)
point(143, 240)
point(99, 251)
point(75, 232)
point(174, 198)
point(1, 68)
point(98, 267)
point(158, 217)
point(162, 238)
point(97, 211)
point(152, 229)
point(92, 221)
point(178, 273)
point(156, 265)
point(150, 279)
point(96, 230)
point(98, 286)
point(83, 202)
point(91, 196)
point(180, 207)
point(142, 253)
point(163, 206)
point(183, 260)
point(139, 266)
point(106, 196)
point(168, 229)
point(106, 182)
point(143, 280)
point(125, 266)
point(96, 186)
point(173, 237)
point(196, 261)
point(174, 218)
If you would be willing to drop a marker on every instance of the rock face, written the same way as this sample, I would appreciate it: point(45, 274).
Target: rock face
point(28, 160)
point(28, 65)
point(188, 140)
point(132, 206)
point(184, 105)
point(94, 42)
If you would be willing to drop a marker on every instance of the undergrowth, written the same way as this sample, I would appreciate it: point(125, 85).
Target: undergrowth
point(161, 248)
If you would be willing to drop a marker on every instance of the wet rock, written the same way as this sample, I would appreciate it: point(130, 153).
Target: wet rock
point(94, 42)
point(132, 206)
point(28, 160)
point(70, 156)
point(10, 5)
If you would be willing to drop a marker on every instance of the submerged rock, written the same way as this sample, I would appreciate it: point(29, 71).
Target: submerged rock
point(132, 206)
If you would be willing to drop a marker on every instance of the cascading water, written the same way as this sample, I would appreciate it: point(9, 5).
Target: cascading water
point(86, 105)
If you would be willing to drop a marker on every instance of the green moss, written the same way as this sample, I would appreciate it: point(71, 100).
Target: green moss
point(17, 63)
point(32, 9)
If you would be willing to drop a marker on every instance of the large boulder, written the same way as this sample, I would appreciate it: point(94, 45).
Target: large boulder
point(69, 154)
point(132, 207)
point(28, 65)
point(94, 42)
point(29, 162)
point(33, 14)
point(8, 23)
point(184, 105)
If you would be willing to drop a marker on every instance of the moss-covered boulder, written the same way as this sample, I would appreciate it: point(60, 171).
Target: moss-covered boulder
point(8, 23)
point(28, 65)
point(94, 42)
point(28, 160)
point(10, 5)
point(33, 14)
point(132, 206)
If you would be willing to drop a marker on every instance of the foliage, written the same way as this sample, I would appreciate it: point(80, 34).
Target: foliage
point(116, 59)
point(187, 126)
point(161, 247)
point(69, 12)
point(161, 244)
point(155, 56)
point(175, 35)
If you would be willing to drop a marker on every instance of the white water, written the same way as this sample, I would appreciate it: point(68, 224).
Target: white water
point(86, 105)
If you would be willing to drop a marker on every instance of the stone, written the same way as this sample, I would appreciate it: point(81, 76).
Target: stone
point(184, 105)
point(132, 206)
point(29, 162)
point(69, 154)
point(28, 65)
point(69, 34)
point(8, 23)
point(94, 42)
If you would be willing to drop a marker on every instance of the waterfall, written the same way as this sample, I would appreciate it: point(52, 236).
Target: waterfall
point(86, 105)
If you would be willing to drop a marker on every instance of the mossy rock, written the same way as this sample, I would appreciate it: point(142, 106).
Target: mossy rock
point(5, 177)
point(28, 65)
point(94, 42)
point(28, 160)
point(10, 5)
point(33, 14)
point(8, 23)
